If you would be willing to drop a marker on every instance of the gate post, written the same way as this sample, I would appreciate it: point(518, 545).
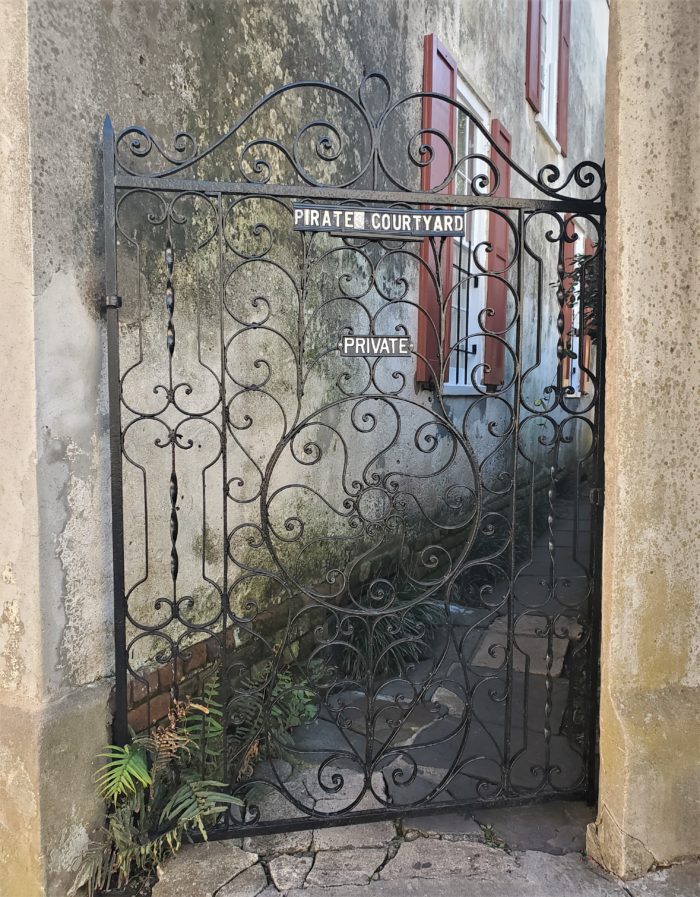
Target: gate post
point(650, 691)
point(54, 617)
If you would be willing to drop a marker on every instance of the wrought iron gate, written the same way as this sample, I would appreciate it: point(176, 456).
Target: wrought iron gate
point(387, 579)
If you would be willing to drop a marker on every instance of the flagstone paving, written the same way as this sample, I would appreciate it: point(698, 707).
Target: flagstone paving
point(524, 852)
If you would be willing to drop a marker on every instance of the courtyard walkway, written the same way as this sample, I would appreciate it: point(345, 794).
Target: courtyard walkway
point(524, 852)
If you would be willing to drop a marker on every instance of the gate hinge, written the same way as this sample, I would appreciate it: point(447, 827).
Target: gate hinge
point(595, 496)
point(112, 301)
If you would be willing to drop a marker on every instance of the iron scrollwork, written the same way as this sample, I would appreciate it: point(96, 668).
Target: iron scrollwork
point(374, 115)
point(392, 587)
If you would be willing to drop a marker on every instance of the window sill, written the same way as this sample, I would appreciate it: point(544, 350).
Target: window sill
point(459, 390)
point(551, 139)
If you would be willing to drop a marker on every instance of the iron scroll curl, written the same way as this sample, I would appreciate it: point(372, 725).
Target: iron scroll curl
point(374, 113)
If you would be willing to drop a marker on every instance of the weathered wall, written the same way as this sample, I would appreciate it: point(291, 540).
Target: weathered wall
point(650, 695)
point(476, 27)
point(20, 620)
point(44, 796)
point(65, 63)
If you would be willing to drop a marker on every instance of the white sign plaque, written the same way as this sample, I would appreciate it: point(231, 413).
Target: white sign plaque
point(371, 345)
point(372, 221)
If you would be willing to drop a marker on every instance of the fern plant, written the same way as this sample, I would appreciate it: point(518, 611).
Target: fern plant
point(266, 707)
point(204, 727)
point(157, 789)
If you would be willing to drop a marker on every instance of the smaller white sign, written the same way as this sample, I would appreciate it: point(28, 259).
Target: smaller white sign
point(370, 345)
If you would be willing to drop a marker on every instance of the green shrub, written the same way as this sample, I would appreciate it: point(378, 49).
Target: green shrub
point(386, 645)
point(157, 790)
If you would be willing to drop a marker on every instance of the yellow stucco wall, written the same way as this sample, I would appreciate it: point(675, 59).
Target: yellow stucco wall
point(649, 810)
point(20, 645)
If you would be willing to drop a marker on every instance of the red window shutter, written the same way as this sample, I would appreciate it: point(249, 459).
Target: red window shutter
point(439, 76)
point(563, 75)
point(570, 250)
point(532, 57)
point(585, 361)
point(497, 295)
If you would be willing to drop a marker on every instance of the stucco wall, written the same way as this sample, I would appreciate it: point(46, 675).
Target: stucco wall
point(196, 275)
point(20, 646)
point(169, 65)
point(650, 695)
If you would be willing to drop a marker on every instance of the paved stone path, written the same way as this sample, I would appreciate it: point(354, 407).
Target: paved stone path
point(528, 852)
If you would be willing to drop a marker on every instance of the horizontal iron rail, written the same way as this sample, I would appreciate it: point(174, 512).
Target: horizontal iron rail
point(304, 823)
point(214, 188)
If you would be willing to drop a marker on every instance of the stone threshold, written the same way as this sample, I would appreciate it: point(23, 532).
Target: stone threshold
point(528, 852)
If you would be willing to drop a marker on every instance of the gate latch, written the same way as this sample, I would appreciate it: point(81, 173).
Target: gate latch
point(595, 496)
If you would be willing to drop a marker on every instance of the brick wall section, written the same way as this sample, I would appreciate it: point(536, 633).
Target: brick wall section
point(150, 697)
point(150, 693)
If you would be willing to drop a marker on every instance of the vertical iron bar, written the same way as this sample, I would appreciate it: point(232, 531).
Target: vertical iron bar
point(467, 354)
point(444, 337)
point(173, 488)
point(225, 693)
point(119, 728)
point(510, 638)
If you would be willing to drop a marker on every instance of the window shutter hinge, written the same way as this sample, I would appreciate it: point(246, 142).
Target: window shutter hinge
point(595, 496)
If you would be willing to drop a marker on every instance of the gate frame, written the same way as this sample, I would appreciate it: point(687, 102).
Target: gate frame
point(168, 182)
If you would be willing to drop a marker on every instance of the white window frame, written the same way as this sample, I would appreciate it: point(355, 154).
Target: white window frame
point(478, 219)
point(549, 68)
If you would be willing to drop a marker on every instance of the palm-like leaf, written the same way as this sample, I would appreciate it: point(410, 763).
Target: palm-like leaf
point(124, 770)
point(95, 869)
point(165, 780)
point(197, 799)
point(203, 726)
